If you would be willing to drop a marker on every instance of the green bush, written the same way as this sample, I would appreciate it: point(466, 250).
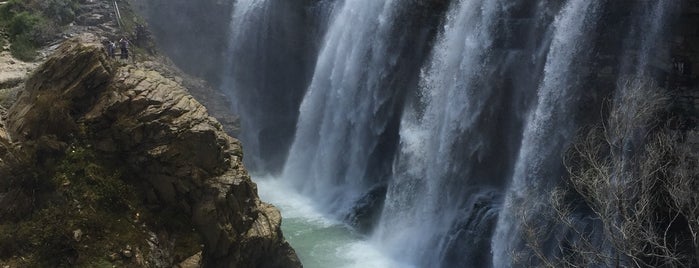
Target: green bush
point(23, 48)
point(33, 23)
point(10, 9)
point(60, 11)
point(23, 23)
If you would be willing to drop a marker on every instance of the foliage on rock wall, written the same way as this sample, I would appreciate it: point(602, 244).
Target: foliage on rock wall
point(73, 202)
point(83, 212)
point(630, 199)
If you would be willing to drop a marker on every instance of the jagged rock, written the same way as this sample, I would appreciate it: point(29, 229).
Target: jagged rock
point(78, 235)
point(367, 210)
point(92, 19)
point(3, 134)
point(168, 140)
point(127, 253)
point(191, 262)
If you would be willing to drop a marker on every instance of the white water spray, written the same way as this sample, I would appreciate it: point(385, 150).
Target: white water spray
point(550, 126)
point(419, 206)
point(339, 120)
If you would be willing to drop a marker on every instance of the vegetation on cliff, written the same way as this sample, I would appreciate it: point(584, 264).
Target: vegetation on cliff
point(636, 173)
point(81, 212)
point(30, 24)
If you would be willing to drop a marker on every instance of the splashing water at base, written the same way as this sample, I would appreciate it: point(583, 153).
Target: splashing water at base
point(319, 240)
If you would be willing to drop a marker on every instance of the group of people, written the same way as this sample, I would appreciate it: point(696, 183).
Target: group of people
point(123, 47)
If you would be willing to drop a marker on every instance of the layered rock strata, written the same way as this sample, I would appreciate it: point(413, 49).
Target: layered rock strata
point(167, 142)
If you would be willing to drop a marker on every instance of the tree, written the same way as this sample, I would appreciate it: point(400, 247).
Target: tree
point(636, 180)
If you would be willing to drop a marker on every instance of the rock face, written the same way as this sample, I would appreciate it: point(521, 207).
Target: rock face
point(166, 140)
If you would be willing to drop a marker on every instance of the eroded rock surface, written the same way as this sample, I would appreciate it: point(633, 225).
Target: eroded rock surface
point(165, 138)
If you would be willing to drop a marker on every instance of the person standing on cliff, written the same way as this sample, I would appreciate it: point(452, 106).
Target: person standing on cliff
point(124, 46)
point(111, 47)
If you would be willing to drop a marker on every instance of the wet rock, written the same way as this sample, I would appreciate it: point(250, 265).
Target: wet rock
point(367, 210)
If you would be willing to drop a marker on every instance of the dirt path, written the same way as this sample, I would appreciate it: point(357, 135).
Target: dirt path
point(13, 73)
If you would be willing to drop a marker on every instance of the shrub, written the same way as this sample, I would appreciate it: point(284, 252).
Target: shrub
point(637, 178)
point(23, 23)
point(60, 11)
point(23, 48)
point(10, 9)
point(33, 23)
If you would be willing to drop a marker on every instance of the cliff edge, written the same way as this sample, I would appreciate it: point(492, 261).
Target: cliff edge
point(165, 164)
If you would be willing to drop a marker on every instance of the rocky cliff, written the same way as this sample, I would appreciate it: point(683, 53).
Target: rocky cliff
point(174, 162)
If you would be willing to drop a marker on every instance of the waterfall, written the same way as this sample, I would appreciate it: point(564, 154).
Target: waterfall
point(337, 128)
point(423, 199)
point(643, 45)
point(265, 76)
point(447, 126)
point(348, 119)
point(551, 125)
point(456, 158)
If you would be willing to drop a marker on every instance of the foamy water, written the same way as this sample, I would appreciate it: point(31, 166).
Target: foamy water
point(320, 242)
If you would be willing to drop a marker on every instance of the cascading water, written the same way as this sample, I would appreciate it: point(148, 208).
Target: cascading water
point(265, 76)
point(443, 191)
point(337, 130)
point(456, 147)
point(646, 36)
point(348, 119)
point(424, 198)
point(551, 125)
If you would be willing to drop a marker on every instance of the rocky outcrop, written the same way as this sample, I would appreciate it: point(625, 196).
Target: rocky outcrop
point(165, 139)
point(275, 74)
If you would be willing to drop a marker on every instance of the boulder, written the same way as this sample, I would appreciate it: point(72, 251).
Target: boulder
point(166, 140)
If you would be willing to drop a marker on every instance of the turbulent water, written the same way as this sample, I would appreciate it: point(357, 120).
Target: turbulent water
point(321, 241)
point(426, 125)
point(338, 125)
